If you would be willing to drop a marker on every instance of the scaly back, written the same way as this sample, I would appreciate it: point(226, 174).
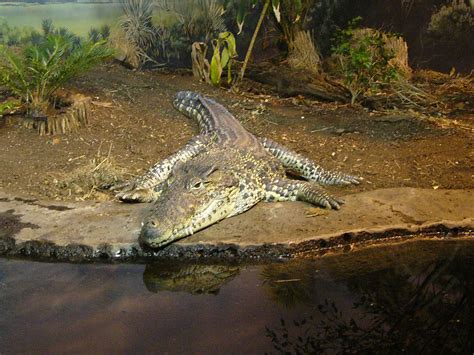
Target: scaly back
point(214, 118)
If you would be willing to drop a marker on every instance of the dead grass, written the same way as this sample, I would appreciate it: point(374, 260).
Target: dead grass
point(89, 180)
point(456, 91)
point(303, 53)
point(458, 84)
point(127, 51)
point(409, 95)
point(399, 48)
point(430, 76)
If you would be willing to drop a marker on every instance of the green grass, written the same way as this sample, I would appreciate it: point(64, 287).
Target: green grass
point(78, 18)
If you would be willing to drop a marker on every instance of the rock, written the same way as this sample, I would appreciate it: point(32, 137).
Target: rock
point(79, 231)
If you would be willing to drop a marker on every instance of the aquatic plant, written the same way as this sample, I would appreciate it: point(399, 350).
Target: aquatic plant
point(41, 69)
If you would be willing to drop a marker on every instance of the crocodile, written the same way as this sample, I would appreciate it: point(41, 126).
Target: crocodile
point(220, 173)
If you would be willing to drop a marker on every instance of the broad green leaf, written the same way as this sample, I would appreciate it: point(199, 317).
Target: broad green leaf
point(225, 57)
point(216, 68)
point(230, 40)
point(229, 73)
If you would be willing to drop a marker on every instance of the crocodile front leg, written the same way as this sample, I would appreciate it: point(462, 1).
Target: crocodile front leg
point(147, 188)
point(293, 190)
point(305, 167)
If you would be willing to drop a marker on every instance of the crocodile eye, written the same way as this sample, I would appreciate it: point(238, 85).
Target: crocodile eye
point(198, 185)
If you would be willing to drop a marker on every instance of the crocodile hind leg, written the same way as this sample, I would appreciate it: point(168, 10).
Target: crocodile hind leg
point(305, 167)
point(295, 190)
point(147, 188)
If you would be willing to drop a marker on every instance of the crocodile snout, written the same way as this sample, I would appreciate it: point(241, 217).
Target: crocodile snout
point(151, 235)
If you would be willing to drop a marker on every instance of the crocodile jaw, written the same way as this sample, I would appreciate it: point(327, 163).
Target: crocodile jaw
point(154, 235)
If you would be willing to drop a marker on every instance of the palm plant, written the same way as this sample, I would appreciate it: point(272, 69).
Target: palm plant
point(105, 32)
point(139, 31)
point(47, 26)
point(94, 35)
point(41, 69)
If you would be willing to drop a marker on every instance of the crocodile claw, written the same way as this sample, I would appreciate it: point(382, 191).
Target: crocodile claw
point(123, 186)
point(330, 202)
point(137, 196)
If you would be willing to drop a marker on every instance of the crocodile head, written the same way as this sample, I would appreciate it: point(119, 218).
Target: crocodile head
point(196, 195)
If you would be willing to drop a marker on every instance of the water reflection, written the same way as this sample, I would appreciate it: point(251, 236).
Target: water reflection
point(415, 298)
point(185, 277)
point(421, 304)
point(291, 283)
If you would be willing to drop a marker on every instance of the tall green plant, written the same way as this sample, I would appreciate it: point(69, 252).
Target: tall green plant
point(41, 69)
point(222, 58)
point(224, 52)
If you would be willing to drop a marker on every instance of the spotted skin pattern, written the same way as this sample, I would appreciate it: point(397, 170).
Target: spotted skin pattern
point(306, 168)
point(222, 172)
point(146, 187)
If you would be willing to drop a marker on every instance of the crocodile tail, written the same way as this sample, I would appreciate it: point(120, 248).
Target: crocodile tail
point(190, 104)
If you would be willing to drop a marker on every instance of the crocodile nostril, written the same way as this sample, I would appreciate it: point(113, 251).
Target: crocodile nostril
point(153, 223)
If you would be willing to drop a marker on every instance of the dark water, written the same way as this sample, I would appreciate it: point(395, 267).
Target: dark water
point(416, 298)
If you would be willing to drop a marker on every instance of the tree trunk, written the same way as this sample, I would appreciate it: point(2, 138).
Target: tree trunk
point(254, 38)
point(291, 82)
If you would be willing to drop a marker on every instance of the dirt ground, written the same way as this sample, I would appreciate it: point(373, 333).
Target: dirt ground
point(134, 123)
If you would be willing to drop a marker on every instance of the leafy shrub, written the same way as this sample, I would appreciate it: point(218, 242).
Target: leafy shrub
point(8, 106)
point(363, 60)
point(165, 37)
point(96, 35)
point(195, 21)
point(13, 36)
point(41, 69)
point(48, 28)
point(453, 23)
point(182, 23)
